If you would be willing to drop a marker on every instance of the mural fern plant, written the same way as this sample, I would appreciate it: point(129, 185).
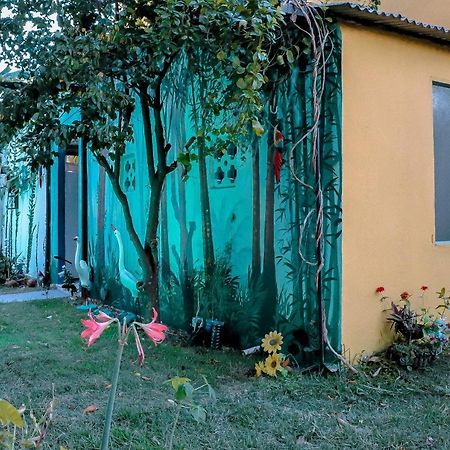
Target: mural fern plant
point(31, 225)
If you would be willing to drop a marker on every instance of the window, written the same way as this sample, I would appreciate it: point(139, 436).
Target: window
point(441, 121)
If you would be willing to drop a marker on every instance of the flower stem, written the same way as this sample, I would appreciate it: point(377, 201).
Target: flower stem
point(175, 423)
point(112, 396)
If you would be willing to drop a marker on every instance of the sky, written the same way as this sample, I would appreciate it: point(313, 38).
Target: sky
point(5, 12)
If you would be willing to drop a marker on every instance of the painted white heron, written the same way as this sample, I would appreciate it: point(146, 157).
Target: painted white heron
point(127, 279)
point(82, 269)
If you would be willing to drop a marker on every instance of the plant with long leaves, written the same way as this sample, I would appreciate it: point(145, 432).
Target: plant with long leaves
point(95, 326)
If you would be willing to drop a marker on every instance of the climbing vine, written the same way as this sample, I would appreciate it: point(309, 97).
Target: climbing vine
point(322, 43)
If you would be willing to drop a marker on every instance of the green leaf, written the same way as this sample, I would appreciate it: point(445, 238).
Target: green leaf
point(176, 382)
point(198, 413)
point(10, 415)
point(257, 127)
point(212, 393)
point(189, 390)
point(236, 62)
point(180, 393)
point(241, 83)
point(221, 55)
point(290, 56)
point(27, 443)
point(256, 84)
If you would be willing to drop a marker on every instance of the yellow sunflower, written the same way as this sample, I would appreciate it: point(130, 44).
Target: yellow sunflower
point(272, 342)
point(272, 364)
point(260, 369)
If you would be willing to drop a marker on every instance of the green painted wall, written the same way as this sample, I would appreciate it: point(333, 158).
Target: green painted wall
point(293, 309)
point(249, 300)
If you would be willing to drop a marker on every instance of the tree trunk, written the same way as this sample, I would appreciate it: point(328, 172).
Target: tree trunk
point(157, 180)
point(151, 239)
point(144, 259)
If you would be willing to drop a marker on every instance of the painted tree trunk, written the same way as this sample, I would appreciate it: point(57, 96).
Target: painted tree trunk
point(16, 232)
point(48, 220)
point(187, 257)
point(268, 272)
point(179, 206)
point(256, 201)
point(164, 233)
point(205, 212)
point(208, 246)
point(295, 186)
point(100, 242)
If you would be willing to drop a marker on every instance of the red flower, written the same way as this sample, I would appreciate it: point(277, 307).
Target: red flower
point(424, 287)
point(405, 295)
point(155, 331)
point(379, 290)
point(95, 329)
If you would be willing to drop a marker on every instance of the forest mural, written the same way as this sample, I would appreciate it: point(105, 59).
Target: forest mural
point(237, 232)
point(211, 132)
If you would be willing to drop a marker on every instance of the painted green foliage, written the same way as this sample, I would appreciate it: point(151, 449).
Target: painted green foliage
point(19, 194)
point(109, 60)
point(179, 105)
point(237, 288)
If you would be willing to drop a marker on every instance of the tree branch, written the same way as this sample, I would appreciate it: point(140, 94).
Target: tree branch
point(123, 200)
point(147, 133)
point(12, 84)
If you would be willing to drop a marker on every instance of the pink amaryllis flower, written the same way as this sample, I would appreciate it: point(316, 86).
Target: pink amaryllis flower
point(155, 331)
point(95, 329)
point(103, 317)
point(140, 349)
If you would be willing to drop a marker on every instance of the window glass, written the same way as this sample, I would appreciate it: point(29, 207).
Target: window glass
point(441, 121)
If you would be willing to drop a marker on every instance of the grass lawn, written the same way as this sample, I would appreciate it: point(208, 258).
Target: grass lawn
point(40, 347)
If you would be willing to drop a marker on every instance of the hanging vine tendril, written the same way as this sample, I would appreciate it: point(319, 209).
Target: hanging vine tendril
point(322, 49)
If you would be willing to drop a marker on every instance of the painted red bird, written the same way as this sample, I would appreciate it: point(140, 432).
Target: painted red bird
point(277, 137)
point(278, 153)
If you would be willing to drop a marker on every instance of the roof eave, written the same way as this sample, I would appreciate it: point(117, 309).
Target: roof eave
point(393, 22)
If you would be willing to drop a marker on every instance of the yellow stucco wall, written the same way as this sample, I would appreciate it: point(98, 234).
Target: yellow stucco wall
point(436, 12)
point(388, 178)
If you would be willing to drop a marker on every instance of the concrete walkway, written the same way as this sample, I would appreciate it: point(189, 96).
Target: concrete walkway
point(34, 295)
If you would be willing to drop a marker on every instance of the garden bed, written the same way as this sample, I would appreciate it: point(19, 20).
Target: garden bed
point(40, 347)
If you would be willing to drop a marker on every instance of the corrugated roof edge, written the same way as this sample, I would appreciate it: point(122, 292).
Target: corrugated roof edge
point(389, 21)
